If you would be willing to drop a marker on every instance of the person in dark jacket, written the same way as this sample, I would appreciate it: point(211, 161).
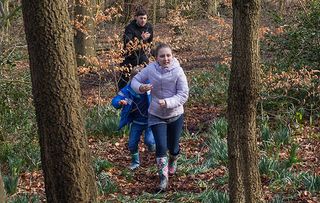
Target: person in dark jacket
point(134, 113)
point(138, 36)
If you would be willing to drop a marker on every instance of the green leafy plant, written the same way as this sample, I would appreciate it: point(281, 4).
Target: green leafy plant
point(291, 75)
point(101, 165)
point(127, 174)
point(104, 120)
point(280, 183)
point(268, 166)
point(282, 136)
point(25, 198)
point(210, 87)
point(213, 196)
point(266, 136)
point(191, 165)
point(11, 183)
point(298, 44)
point(217, 143)
point(105, 184)
point(222, 180)
point(277, 199)
point(219, 128)
point(18, 131)
point(293, 157)
point(11, 180)
point(218, 153)
point(311, 182)
point(283, 179)
point(148, 197)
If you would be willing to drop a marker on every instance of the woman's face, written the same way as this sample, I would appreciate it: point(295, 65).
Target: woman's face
point(164, 56)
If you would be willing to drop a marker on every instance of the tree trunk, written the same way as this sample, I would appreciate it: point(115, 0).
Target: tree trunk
point(6, 12)
point(2, 13)
point(71, 4)
point(244, 175)
point(127, 10)
point(84, 40)
point(2, 191)
point(282, 4)
point(213, 7)
point(210, 6)
point(154, 16)
point(6, 7)
point(162, 9)
point(108, 3)
point(65, 157)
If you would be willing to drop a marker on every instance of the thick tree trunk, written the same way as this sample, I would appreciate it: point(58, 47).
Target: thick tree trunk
point(84, 39)
point(244, 175)
point(2, 191)
point(65, 156)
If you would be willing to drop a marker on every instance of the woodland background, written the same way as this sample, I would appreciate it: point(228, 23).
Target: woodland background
point(200, 32)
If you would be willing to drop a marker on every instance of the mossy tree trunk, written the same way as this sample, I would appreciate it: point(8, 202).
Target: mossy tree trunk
point(65, 157)
point(244, 175)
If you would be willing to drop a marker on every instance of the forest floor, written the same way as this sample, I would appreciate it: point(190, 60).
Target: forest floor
point(206, 43)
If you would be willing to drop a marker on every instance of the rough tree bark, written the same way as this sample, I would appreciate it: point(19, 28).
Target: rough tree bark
point(65, 157)
point(2, 191)
point(244, 175)
point(84, 39)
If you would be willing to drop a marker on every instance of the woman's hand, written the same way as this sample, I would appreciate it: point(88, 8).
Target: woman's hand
point(162, 103)
point(145, 87)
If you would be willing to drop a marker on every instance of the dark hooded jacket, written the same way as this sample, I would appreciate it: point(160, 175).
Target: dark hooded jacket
point(132, 31)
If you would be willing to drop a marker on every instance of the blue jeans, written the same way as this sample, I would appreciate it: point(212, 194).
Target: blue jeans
point(134, 136)
point(167, 136)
